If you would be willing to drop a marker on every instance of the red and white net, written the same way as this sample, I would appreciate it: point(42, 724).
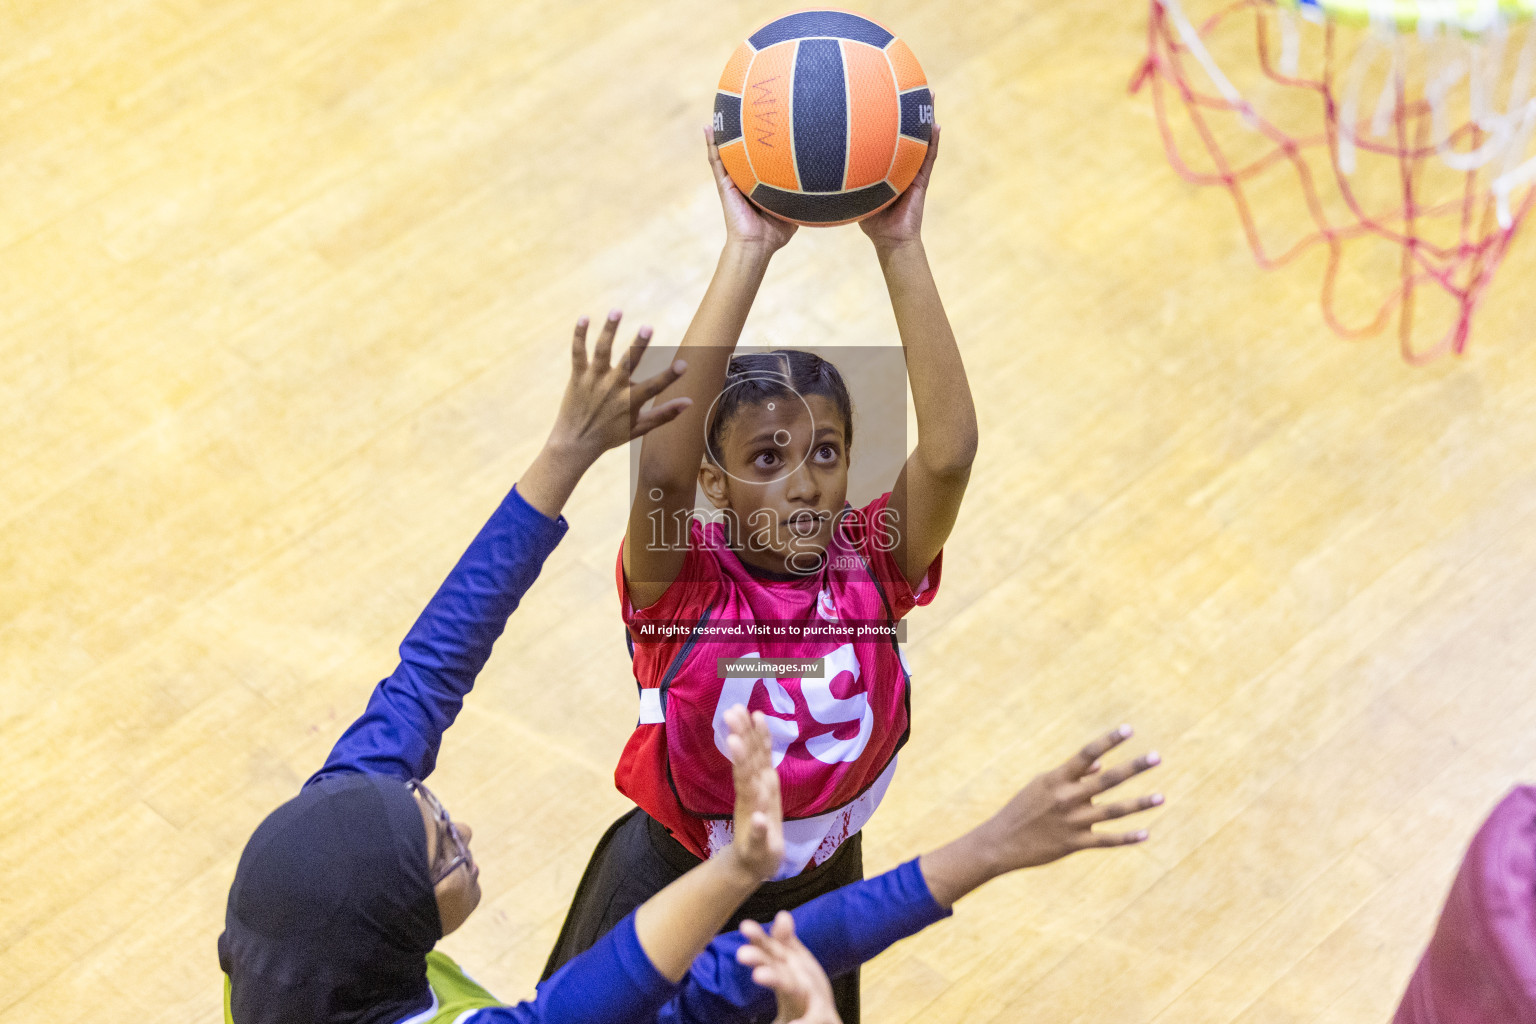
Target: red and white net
point(1400, 148)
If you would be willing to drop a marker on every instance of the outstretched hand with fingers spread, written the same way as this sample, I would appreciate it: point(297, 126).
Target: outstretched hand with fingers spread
point(674, 925)
point(1054, 815)
point(780, 962)
point(758, 842)
point(602, 407)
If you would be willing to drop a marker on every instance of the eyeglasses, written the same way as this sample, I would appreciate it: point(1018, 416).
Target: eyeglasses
point(461, 849)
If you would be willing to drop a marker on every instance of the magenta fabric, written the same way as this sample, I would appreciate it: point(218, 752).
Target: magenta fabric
point(833, 738)
point(1480, 967)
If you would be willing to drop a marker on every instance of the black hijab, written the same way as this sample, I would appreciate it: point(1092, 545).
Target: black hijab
point(331, 914)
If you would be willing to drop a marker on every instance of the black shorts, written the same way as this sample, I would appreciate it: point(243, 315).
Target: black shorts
point(637, 858)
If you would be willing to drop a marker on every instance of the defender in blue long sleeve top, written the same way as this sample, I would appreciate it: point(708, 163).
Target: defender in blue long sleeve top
point(401, 729)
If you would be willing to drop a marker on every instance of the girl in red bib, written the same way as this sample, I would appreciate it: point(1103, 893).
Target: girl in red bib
point(787, 598)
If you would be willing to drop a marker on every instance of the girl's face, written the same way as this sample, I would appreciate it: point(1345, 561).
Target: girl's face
point(785, 478)
point(459, 893)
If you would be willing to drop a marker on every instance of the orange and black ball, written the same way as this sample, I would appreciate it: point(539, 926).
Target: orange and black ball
point(823, 117)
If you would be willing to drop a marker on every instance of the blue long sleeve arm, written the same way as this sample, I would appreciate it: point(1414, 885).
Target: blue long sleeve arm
point(614, 982)
point(401, 729)
point(842, 929)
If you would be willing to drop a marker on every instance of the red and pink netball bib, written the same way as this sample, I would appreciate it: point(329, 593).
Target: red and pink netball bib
point(816, 654)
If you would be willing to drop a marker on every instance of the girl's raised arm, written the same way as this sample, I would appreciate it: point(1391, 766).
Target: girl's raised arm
point(932, 482)
point(671, 455)
point(402, 727)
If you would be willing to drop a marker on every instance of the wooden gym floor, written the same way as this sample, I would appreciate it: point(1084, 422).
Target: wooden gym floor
point(286, 289)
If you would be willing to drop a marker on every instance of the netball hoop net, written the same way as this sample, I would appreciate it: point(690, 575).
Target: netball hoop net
point(1393, 135)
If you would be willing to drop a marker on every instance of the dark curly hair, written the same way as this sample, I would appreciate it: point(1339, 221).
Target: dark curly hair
point(783, 373)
